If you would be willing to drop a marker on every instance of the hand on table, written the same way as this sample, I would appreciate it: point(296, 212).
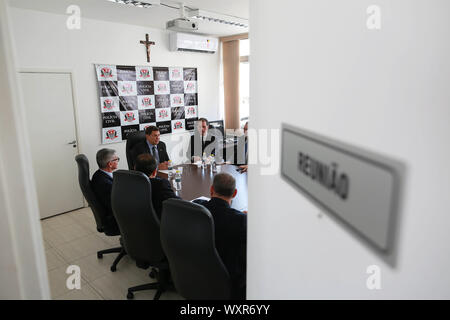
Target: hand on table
point(243, 168)
point(163, 165)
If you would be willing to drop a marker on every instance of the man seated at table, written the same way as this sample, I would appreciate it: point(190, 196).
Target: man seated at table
point(230, 230)
point(102, 180)
point(154, 146)
point(161, 189)
point(201, 142)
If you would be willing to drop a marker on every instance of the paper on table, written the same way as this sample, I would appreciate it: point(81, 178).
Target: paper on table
point(201, 198)
point(173, 170)
point(199, 163)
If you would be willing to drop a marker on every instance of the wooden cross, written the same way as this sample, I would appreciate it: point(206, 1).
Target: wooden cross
point(147, 43)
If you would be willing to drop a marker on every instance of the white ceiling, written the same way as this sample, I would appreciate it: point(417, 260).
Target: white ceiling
point(154, 17)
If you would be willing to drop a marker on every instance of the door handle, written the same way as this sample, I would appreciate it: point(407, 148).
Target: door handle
point(73, 143)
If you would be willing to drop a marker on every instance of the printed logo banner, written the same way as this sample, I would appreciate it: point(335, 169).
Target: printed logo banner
point(109, 104)
point(132, 98)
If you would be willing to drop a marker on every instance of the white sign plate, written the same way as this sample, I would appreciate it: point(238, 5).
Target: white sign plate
point(359, 187)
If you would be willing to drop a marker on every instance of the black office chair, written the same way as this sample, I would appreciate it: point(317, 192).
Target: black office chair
point(104, 222)
point(187, 237)
point(132, 140)
point(139, 226)
point(218, 124)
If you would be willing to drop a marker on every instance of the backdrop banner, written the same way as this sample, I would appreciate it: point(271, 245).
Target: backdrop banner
point(134, 97)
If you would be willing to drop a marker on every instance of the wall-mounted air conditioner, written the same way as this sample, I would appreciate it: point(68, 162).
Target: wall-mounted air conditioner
point(193, 43)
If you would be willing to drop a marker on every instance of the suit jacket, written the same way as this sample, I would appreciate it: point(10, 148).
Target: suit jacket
point(196, 150)
point(142, 147)
point(102, 186)
point(161, 190)
point(231, 237)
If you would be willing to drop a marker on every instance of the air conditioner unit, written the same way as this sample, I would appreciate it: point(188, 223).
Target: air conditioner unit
point(194, 43)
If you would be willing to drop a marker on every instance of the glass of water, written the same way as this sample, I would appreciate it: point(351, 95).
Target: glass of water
point(170, 168)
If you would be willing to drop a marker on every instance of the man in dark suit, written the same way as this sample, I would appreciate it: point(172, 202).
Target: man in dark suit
point(230, 230)
point(201, 142)
point(102, 181)
point(152, 145)
point(161, 189)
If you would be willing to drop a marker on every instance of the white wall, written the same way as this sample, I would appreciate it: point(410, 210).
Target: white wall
point(44, 43)
point(387, 91)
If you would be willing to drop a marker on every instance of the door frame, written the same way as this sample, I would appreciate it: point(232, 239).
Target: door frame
point(71, 73)
point(22, 242)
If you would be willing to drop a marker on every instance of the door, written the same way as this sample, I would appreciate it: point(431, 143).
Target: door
point(51, 127)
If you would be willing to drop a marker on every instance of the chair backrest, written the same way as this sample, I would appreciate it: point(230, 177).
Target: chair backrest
point(132, 140)
point(88, 193)
point(131, 201)
point(187, 237)
point(218, 124)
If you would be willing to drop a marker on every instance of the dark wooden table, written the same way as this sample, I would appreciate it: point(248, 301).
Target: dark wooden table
point(196, 182)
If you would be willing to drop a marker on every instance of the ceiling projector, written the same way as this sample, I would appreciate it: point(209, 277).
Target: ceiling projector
point(182, 24)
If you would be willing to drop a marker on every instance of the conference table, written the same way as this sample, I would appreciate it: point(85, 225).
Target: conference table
point(196, 182)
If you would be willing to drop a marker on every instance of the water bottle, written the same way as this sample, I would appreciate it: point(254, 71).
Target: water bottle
point(170, 168)
point(204, 160)
point(213, 163)
point(177, 181)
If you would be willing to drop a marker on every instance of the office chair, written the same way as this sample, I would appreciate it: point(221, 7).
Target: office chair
point(218, 124)
point(187, 237)
point(132, 140)
point(139, 227)
point(104, 223)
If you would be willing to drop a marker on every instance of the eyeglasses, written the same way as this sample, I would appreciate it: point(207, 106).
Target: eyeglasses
point(117, 159)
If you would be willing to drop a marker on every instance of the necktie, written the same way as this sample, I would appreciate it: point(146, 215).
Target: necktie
point(155, 154)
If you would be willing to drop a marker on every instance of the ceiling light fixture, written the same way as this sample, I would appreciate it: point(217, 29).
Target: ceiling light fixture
point(139, 4)
point(219, 18)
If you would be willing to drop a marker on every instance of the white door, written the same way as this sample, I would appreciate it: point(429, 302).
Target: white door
point(51, 127)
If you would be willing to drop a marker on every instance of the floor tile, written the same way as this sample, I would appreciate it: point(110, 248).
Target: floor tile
point(46, 243)
point(54, 259)
point(60, 235)
point(73, 239)
point(113, 240)
point(83, 215)
point(52, 237)
point(110, 289)
point(57, 280)
point(93, 268)
point(85, 293)
point(58, 221)
point(82, 247)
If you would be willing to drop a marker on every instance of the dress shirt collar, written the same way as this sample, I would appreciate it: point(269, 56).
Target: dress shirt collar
point(108, 173)
point(220, 202)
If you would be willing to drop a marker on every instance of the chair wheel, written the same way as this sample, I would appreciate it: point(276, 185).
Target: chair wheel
point(130, 295)
point(113, 268)
point(99, 255)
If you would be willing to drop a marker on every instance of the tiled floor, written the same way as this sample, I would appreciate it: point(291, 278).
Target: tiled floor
point(72, 239)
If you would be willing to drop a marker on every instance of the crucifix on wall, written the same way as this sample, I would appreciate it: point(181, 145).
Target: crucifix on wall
point(147, 44)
